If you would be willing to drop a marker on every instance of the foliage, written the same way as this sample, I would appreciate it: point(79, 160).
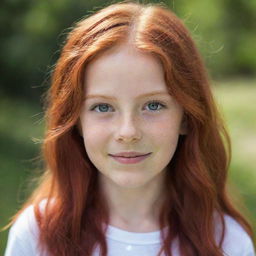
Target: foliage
point(34, 31)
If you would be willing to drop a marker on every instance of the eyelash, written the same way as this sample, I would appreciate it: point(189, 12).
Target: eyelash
point(163, 106)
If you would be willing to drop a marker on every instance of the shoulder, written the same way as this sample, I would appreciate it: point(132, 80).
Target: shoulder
point(26, 221)
point(236, 240)
point(23, 234)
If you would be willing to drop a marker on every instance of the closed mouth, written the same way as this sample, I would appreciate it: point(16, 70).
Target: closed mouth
point(131, 156)
point(134, 156)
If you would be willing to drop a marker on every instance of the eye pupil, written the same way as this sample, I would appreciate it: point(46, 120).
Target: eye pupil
point(154, 105)
point(104, 108)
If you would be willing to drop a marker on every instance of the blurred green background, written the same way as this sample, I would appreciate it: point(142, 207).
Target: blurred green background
point(32, 34)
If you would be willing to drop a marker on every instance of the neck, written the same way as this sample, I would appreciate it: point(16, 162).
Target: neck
point(134, 209)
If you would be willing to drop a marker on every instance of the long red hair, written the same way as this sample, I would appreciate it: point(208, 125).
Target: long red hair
point(196, 183)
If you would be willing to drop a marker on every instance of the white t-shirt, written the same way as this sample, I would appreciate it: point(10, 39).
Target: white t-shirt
point(23, 235)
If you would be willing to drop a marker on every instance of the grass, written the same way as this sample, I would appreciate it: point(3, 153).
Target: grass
point(20, 122)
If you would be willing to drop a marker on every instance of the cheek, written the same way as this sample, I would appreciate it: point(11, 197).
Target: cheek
point(165, 149)
point(94, 144)
point(94, 134)
point(166, 131)
point(166, 135)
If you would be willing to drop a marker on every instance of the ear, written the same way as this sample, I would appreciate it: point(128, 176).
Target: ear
point(184, 125)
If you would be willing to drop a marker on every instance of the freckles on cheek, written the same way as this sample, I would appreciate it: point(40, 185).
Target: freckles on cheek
point(163, 126)
point(95, 132)
point(167, 129)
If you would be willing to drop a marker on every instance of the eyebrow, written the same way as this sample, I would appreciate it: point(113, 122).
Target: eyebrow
point(140, 96)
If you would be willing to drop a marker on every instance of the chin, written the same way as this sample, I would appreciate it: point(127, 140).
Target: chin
point(130, 182)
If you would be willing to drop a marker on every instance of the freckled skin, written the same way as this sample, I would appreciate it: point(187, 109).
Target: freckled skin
point(129, 125)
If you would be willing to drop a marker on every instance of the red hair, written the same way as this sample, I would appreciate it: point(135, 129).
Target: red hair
point(196, 182)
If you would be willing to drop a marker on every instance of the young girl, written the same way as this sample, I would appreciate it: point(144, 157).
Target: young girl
point(136, 162)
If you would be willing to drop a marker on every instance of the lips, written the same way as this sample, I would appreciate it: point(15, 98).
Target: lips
point(129, 154)
point(130, 160)
point(133, 156)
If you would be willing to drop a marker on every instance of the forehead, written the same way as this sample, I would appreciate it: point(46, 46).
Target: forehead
point(124, 70)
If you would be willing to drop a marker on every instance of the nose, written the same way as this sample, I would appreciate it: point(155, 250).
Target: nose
point(128, 129)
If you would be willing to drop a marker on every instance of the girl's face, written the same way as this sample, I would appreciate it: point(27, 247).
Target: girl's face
point(128, 108)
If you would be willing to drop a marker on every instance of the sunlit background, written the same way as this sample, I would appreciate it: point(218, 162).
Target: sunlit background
point(32, 33)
